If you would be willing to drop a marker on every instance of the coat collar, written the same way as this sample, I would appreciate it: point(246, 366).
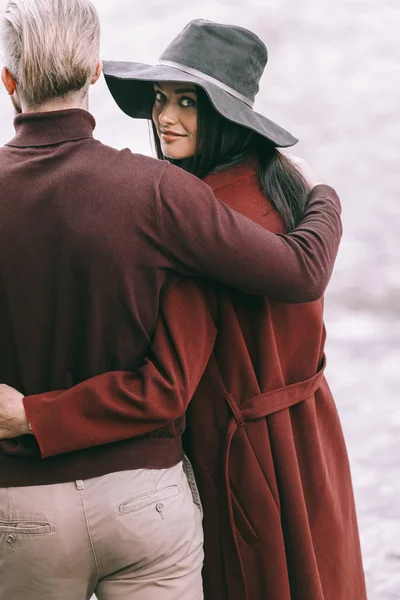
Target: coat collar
point(49, 128)
point(248, 168)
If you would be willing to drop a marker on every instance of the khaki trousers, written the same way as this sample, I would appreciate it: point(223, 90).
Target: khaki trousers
point(133, 535)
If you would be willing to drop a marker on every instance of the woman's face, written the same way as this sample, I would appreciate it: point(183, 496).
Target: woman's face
point(175, 118)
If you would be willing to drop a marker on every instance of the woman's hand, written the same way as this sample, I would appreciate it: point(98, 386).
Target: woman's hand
point(13, 419)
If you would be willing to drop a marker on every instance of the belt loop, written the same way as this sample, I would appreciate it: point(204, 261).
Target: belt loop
point(79, 485)
point(235, 410)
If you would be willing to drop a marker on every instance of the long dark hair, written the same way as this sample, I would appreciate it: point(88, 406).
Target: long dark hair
point(222, 144)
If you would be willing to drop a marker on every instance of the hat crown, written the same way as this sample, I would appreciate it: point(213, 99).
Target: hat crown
point(233, 55)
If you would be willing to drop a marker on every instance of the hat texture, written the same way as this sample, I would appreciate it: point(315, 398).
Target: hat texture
point(226, 61)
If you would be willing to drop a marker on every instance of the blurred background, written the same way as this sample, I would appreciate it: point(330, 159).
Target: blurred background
point(333, 80)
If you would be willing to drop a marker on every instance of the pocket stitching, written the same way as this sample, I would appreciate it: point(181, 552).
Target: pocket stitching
point(11, 527)
point(239, 507)
point(157, 495)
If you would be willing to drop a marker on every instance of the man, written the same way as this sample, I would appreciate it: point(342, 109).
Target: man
point(90, 238)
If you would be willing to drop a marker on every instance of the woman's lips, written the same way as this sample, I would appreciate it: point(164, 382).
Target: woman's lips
point(169, 136)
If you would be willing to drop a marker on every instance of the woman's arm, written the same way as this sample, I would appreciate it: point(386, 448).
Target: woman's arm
point(119, 405)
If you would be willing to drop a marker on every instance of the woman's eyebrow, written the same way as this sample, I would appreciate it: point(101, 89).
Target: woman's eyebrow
point(185, 90)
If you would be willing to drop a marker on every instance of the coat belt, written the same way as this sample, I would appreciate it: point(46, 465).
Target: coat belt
point(275, 400)
point(259, 407)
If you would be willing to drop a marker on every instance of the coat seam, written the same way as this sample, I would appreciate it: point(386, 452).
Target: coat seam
point(235, 180)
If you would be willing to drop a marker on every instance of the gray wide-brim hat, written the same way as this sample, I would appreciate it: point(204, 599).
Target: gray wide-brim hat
point(225, 61)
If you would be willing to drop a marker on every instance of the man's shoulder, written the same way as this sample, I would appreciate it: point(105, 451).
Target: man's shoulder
point(4, 152)
point(132, 163)
point(178, 180)
point(171, 178)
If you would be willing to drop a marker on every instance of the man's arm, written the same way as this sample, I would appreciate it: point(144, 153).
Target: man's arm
point(206, 237)
point(119, 405)
point(119, 396)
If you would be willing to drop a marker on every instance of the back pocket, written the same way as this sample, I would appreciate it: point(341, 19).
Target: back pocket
point(146, 500)
point(25, 528)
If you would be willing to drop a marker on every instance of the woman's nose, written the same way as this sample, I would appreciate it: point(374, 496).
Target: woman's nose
point(167, 115)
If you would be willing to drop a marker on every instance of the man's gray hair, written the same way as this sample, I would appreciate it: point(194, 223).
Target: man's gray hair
point(51, 47)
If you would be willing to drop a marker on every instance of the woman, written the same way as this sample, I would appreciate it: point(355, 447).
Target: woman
point(263, 432)
point(273, 473)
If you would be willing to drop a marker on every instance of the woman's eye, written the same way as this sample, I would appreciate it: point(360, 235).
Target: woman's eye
point(187, 102)
point(159, 97)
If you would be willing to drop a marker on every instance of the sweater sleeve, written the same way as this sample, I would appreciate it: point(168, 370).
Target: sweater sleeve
point(122, 404)
point(204, 236)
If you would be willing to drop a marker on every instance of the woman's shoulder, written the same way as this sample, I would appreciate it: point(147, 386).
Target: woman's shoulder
point(239, 187)
point(246, 170)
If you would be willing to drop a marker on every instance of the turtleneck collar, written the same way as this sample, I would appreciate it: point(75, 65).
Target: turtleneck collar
point(49, 128)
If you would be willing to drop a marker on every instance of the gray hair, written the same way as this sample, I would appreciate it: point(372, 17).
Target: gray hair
point(51, 47)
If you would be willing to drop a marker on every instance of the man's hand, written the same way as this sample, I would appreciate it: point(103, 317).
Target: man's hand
point(13, 419)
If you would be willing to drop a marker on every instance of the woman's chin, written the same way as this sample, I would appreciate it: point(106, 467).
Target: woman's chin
point(175, 155)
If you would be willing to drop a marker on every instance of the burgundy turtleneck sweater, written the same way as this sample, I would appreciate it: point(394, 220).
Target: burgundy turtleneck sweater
point(90, 239)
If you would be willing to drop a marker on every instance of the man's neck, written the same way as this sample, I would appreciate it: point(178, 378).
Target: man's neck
point(54, 105)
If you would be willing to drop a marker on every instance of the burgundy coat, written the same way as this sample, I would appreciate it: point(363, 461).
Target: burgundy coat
point(263, 432)
point(267, 446)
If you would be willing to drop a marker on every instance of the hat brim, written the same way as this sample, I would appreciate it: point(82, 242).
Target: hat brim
point(131, 86)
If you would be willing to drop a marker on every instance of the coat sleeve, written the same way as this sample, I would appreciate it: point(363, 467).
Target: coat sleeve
point(122, 404)
point(205, 237)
